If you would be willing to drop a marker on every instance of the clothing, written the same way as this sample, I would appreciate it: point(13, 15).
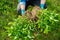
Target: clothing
point(21, 0)
point(29, 2)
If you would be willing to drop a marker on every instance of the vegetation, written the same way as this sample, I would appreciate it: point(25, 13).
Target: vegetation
point(12, 27)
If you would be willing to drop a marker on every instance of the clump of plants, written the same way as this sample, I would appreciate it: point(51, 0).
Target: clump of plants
point(48, 21)
point(21, 29)
point(24, 29)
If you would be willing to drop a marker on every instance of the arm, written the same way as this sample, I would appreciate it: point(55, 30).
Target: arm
point(42, 3)
point(21, 6)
